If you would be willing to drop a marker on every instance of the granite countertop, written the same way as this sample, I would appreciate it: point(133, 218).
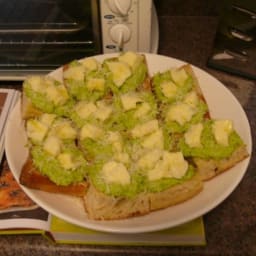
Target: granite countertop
point(231, 227)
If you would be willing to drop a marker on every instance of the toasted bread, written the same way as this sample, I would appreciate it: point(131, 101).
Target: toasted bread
point(32, 178)
point(103, 207)
point(209, 168)
point(188, 68)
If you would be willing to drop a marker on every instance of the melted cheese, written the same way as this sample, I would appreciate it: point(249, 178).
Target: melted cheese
point(52, 145)
point(145, 128)
point(90, 131)
point(114, 172)
point(120, 71)
point(193, 135)
point(221, 130)
point(169, 89)
point(95, 84)
point(179, 76)
point(180, 112)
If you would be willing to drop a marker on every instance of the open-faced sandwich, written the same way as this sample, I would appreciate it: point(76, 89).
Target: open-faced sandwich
point(126, 143)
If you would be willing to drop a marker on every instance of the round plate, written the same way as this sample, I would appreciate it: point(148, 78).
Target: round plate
point(222, 104)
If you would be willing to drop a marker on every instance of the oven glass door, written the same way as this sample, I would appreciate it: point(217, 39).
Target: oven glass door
point(40, 35)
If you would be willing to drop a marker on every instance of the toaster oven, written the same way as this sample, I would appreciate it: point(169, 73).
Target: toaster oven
point(37, 36)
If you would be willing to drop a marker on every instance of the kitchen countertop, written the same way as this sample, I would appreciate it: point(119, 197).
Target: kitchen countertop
point(231, 227)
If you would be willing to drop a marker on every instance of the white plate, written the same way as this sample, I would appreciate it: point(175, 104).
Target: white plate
point(222, 104)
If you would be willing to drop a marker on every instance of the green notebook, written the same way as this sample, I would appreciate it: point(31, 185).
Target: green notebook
point(191, 233)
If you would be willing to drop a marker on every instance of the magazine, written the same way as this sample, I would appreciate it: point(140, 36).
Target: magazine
point(8, 98)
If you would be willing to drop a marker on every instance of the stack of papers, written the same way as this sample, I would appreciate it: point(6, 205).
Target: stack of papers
point(8, 98)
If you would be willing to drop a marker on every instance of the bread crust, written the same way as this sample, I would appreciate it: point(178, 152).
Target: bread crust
point(209, 168)
point(103, 207)
point(196, 85)
point(32, 178)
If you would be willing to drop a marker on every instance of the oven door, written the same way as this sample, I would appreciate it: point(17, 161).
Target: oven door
point(36, 36)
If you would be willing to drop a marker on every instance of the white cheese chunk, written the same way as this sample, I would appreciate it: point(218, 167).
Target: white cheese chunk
point(120, 71)
point(129, 57)
point(158, 172)
point(90, 131)
point(63, 129)
point(122, 157)
point(154, 140)
point(146, 128)
point(179, 76)
point(66, 161)
point(114, 172)
point(142, 110)
point(74, 73)
point(85, 109)
point(103, 110)
point(90, 64)
point(221, 130)
point(95, 84)
point(169, 89)
point(178, 166)
point(47, 119)
point(57, 94)
point(36, 130)
point(129, 100)
point(172, 165)
point(149, 159)
point(115, 139)
point(36, 84)
point(193, 135)
point(180, 112)
point(52, 145)
point(191, 99)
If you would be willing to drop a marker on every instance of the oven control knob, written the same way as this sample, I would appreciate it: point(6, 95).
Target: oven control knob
point(120, 34)
point(120, 7)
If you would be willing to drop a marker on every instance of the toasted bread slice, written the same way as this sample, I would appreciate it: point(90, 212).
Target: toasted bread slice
point(32, 178)
point(188, 68)
point(102, 207)
point(209, 168)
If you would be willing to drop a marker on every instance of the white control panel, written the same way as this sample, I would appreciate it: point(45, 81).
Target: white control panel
point(126, 25)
